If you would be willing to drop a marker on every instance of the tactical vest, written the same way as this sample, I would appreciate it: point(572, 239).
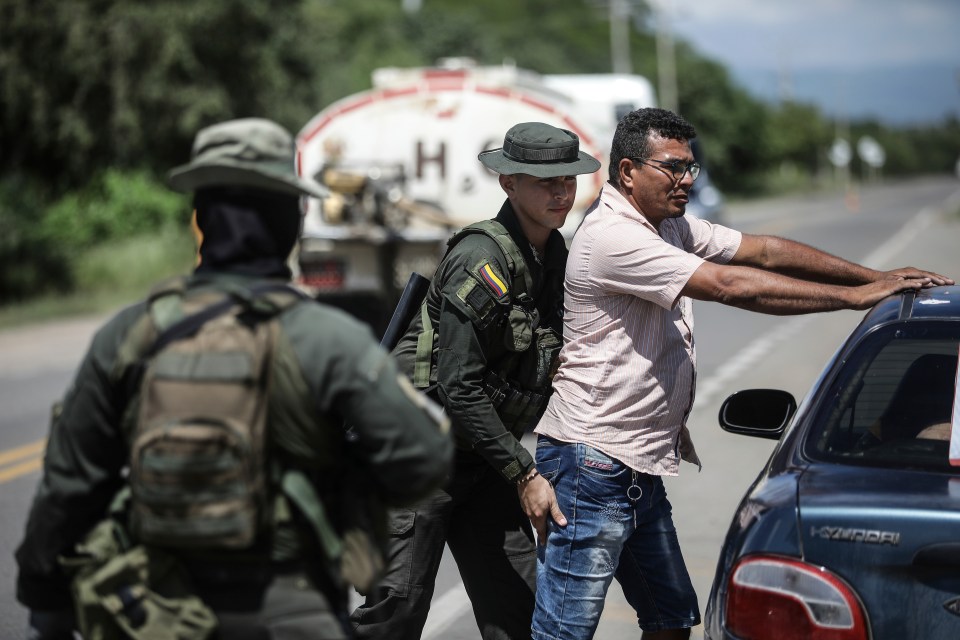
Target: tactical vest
point(519, 384)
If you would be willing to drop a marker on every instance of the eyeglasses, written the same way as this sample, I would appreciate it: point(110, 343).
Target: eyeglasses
point(677, 169)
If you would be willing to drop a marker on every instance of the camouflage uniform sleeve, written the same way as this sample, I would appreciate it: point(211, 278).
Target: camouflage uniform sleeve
point(81, 471)
point(475, 298)
point(401, 435)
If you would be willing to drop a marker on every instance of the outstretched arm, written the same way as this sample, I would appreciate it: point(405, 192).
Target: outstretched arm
point(797, 260)
point(912, 272)
point(768, 292)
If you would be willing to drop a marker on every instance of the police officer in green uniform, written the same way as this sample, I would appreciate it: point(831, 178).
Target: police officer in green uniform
point(333, 373)
point(485, 344)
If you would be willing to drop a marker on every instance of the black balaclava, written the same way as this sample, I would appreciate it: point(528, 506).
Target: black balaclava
point(246, 231)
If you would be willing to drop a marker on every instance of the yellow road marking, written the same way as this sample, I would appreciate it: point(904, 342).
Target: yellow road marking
point(28, 459)
point(22, 452)
point(23, 468)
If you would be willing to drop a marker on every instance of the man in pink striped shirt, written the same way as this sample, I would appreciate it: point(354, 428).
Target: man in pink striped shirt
point(616, 422)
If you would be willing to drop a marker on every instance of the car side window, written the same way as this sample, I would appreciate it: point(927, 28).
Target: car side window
point(892, 402)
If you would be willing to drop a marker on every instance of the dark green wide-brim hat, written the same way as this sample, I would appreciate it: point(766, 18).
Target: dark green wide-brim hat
point(250, 152)
point(539, 150)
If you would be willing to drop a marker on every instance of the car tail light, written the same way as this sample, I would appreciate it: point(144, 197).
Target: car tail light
point(790, 600)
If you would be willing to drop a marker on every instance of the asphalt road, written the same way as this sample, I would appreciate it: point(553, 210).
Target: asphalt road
point(885, 226)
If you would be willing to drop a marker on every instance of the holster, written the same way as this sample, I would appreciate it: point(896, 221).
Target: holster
point(136, 592)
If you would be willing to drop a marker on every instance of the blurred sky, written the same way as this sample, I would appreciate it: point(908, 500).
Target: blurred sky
point(896, 59)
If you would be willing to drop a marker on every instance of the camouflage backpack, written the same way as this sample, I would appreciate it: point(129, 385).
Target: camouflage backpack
point(200, 477)
point(198, 464)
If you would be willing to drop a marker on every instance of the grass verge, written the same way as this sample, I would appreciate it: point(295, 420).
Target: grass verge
point(110, 276)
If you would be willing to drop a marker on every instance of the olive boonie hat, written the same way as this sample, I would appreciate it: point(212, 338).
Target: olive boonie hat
point(250, 152)
point(539, 150)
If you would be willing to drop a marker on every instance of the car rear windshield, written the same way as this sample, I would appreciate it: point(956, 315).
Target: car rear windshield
point(892, 401)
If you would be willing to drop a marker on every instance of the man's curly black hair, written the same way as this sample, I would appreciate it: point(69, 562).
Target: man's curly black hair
point(632, 138)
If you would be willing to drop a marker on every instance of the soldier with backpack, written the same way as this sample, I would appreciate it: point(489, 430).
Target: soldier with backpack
point(485, 344)
point(214, 469)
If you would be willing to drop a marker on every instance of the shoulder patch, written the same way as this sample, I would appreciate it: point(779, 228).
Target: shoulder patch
point(493, 280)
point(482, 293)
point(477, 302)
point(489, 276)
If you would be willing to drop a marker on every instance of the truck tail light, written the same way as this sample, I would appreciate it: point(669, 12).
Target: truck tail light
point(770, 596)
point(323, 275)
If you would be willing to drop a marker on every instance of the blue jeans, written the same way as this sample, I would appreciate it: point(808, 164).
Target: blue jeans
point(618, 525)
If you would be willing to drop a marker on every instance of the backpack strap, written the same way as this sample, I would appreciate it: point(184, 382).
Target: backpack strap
point(163, 302)
point(424, 358)
point(166, 309)
point(299, 490)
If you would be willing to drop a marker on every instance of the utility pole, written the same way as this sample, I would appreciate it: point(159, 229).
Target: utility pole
point(785, 78)
point(620, 36)
point(666, 60)
point(621, 21)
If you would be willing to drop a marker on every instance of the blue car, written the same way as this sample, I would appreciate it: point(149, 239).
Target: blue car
point(852, 529)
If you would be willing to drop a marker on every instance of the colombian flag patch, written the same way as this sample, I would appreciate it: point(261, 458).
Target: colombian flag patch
point(493, 280)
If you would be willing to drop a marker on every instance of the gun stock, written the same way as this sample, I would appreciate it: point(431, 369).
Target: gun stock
point(410, 301)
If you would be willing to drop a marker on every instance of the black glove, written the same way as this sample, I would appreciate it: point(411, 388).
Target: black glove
point(51, 625)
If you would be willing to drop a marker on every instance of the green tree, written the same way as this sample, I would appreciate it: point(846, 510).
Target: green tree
point(731, 124)
point(94, 83)
point(796, 136)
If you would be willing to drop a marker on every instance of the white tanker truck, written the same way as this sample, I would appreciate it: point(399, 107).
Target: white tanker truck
point(401, 162)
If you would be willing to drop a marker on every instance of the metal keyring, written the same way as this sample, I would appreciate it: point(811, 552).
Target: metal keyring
point(634, 493)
